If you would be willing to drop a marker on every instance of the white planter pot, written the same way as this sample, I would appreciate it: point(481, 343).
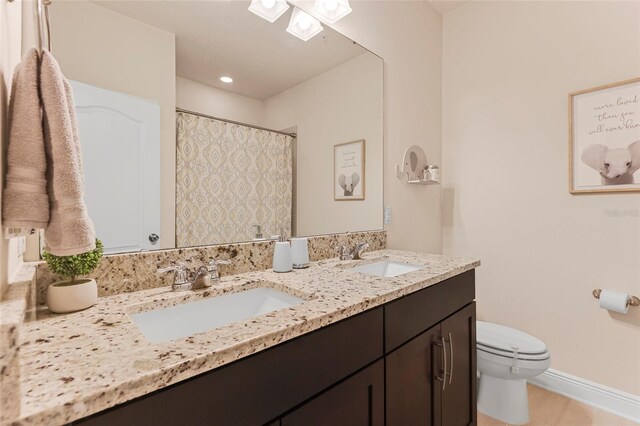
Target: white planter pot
point(63, 297)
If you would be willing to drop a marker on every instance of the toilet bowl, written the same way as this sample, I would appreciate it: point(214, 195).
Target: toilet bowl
point(506, 359)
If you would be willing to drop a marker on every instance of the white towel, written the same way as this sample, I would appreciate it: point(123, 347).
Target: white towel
point(70, 230)
point(25, 203)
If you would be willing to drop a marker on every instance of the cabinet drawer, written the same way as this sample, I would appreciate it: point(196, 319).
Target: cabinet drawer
point(261, 387)
point(410, 315)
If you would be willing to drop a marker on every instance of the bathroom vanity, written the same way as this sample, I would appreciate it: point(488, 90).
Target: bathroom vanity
point(360, 349)
point(337, 375)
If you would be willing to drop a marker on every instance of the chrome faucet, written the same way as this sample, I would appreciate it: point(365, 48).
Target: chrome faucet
point(354, 254)
point(204, 276)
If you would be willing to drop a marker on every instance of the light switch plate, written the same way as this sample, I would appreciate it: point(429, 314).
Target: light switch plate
point(22, 246)
point(387, 215)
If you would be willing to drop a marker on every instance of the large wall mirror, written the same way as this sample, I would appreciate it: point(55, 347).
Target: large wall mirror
point(176, 157)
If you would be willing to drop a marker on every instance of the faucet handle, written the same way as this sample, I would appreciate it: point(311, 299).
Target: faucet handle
point(358, 249)
point(212, 266)
point(211, 271)
point(179, 268)
point(343, 252)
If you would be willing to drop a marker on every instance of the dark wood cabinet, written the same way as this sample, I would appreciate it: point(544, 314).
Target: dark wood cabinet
point(358, 401)
point(383, 366)
point(411, 385)
point(431, 379)
point(459, 395)
point(410, 315)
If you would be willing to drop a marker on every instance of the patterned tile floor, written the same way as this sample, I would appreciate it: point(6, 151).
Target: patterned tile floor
point(550, 409)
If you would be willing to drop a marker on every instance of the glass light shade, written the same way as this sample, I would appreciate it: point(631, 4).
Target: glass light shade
point(303, 25)
point(332, 10)
point(270, 10)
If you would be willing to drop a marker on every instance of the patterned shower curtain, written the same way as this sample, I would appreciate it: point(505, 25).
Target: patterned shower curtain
point(230, 178)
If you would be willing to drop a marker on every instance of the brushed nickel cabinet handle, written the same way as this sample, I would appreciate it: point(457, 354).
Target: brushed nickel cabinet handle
point(451, 356)
point(443, 379)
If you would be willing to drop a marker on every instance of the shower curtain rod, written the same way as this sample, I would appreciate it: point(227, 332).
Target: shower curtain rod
point(293, 135)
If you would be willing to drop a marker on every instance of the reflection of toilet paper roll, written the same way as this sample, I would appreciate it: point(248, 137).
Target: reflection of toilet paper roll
point(614, 301)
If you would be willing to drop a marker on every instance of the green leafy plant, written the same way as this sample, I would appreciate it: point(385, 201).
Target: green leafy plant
point(72, 266)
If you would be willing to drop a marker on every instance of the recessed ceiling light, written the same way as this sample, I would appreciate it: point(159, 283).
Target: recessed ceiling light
point(269, 9)
point(332, 10)
point(226, 79)
point(303, 25)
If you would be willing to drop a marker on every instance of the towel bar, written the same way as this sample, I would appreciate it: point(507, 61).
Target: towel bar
point(43, 26)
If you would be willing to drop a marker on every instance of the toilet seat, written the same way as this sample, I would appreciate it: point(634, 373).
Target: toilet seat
point(500, 340)
point(508, 356)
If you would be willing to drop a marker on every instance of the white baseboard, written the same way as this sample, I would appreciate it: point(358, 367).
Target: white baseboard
point(602, 397)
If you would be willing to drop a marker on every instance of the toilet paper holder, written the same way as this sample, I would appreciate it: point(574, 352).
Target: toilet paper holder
point(631, 301)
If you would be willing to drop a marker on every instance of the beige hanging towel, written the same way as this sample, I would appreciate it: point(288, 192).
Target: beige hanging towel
point(70, 230)
point(25, 203)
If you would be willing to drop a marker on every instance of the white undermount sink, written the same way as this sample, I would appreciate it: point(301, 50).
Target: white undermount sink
point(176, 322)
point(387, 268)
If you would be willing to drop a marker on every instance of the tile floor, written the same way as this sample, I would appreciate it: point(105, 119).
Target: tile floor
point(550, 409)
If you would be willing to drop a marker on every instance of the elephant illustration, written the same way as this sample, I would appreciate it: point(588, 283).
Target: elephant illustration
point(616, 166)
point(348, 183)
point(413, 164)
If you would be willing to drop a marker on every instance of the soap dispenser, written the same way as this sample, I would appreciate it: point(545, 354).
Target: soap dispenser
point(282, 259)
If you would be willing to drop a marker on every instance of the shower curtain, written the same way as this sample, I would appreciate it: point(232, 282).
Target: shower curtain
point(229, 178)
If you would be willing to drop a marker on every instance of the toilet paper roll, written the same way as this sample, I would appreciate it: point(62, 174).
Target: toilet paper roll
point(614, 301)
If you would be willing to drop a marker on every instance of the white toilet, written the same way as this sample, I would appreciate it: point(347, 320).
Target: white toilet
point(506, 359)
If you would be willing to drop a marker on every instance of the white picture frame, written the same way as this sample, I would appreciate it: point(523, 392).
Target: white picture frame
point(604, 139)
point(349, 171)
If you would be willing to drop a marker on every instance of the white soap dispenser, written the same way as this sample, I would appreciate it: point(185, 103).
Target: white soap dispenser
point(282, 259)
point(300, 252)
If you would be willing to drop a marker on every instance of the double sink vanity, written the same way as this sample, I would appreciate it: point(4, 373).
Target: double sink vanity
point(389, 339)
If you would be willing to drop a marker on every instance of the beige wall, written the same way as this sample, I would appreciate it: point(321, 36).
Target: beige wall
point(335, 107)
point(408, 35)
point(10, 52)
point(507, 70)
point(210, 100)
point(109, 50)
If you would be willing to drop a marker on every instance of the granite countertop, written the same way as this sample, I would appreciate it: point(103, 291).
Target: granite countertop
point(78, 364)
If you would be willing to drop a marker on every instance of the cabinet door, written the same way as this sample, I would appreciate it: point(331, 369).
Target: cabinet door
point(412, 389)
point(459, 396)
point(358, 401)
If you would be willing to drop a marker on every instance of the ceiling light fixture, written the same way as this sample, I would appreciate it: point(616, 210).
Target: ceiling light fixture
point(269, 9)
point(332, 10)
point(226, 79)
point(303, 25)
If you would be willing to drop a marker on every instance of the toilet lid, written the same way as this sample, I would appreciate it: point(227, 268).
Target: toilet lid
point(500, 340)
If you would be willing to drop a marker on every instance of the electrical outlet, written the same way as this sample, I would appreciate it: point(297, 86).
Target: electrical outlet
point(387, 215)
point(17, 232)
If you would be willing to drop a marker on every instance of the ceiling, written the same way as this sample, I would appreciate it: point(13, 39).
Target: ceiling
point(444, 6)
point(216, 38)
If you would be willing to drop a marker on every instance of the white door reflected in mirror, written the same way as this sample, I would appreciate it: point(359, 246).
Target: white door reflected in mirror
point(120, 137)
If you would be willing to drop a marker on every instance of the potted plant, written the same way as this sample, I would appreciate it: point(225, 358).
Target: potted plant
point(75, 293)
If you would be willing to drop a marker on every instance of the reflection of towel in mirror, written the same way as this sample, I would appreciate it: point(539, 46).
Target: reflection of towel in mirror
point(70, 229)
point(25, 203)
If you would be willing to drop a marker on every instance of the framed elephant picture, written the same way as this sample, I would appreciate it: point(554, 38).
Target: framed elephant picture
point(604, 138)
point(348, 171)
